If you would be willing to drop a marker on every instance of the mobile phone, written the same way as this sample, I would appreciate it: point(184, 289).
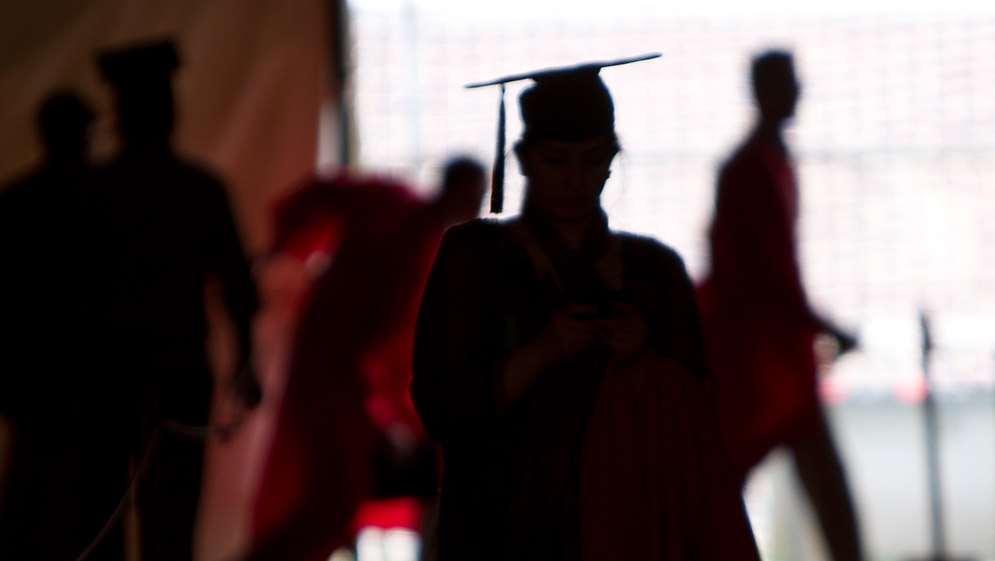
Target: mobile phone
point(606, 309)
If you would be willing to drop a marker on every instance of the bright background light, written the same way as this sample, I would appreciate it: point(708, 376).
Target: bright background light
point(895, 145)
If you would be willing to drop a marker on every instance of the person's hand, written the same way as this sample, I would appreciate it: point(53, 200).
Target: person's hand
point(245, 385)
point(831, 343)
point(845, 342)
point(570, 330)
point(625, 331)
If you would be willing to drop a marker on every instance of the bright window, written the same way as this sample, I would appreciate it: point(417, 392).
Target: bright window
point(894, 140)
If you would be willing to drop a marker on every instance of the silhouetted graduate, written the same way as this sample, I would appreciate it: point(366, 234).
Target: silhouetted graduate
point(758, 323)
point(560, 365)
point(168, 233)
point(346, 404)
point(73, 419)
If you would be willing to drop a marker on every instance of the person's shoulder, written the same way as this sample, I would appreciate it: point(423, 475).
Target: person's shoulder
point(482, 240)
point(754, 154)
point(167, 169)
point(468, 250)
point(479, 230)
point(750, 171)
point(19, 187)
point(199, 173)
point(41, 186)
point(646, 248)
point(744, 154)
point(15, 198)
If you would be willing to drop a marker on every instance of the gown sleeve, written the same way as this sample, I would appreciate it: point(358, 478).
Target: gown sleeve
point(455, 357)
point(685, 334)
point(672, 310)
point(229, 260)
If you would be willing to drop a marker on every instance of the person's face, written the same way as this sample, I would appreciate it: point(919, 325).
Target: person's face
point(778, 94)
point(565, 179)
point(463, 194)
point(790, 94)
point(146, 112)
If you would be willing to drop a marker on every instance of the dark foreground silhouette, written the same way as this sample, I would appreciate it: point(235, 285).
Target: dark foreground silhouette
point(74, 420)
point(560, 366)
point(167, 238)
point(104, 294)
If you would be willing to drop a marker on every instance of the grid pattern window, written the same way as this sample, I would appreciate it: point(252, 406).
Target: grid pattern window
point(894, 140)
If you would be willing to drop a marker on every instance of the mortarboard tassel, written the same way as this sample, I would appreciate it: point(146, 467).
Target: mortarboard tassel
point(497, 176)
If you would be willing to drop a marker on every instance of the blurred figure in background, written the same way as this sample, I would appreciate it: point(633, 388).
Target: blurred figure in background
point(760, 330)
point(347, 432)
point(168, 239)
point(71, 416)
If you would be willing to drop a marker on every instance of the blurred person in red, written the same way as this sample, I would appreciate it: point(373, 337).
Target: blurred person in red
point(346, 432)
point(760, 330)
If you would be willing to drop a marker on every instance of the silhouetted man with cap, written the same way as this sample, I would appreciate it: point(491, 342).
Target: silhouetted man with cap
point(69, 465)
point(169, 233)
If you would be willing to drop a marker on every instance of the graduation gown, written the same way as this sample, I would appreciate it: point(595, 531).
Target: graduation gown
point(539, 479)
point(758, 324)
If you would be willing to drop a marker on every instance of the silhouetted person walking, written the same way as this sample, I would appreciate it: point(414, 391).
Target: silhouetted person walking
point(168, 233)
point(759, 327)
point(73, 419)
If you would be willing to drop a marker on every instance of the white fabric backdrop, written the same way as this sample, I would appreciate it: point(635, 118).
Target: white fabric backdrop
point(248, 93)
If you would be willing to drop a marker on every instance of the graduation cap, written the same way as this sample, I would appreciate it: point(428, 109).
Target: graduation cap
point(140, 74)
point(567, 103)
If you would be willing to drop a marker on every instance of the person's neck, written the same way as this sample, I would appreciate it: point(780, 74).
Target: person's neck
point(573, 233)
point(445, 214)
point(67, 164)
point(147, 150)
point(772, 132)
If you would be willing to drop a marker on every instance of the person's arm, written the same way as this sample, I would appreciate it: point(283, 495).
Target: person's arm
point(456, 343)
point(666, 299)
point(626, 332)
point(721, 529)
point(11, 309)
point(465, 374)
point(239, 290)
point(566, 334)
point(685, 341)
